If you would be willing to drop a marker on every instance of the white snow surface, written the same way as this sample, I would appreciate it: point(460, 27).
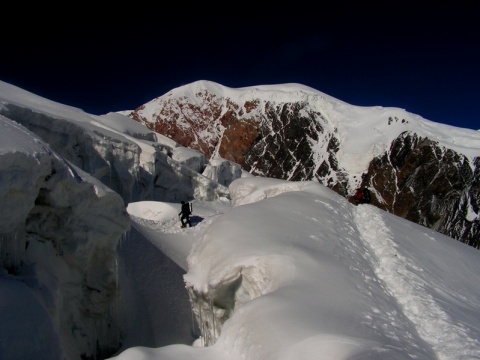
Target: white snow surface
point(320, 277)
point(300, 272)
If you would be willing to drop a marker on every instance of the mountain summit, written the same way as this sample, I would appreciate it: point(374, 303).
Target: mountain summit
point(420, 170)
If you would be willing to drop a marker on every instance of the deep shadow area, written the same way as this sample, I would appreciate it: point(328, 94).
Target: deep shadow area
point(195, 219)
point(154, 306)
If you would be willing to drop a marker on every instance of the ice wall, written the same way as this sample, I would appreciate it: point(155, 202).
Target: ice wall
point(122, 158)
point(59, 228)
point(223, 171)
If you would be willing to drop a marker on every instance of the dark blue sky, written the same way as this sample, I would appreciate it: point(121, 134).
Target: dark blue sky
point(427, 63)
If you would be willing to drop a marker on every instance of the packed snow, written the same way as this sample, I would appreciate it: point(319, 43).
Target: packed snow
point(304, 274)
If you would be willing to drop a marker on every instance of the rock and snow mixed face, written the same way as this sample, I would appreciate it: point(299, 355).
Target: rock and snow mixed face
point(420, 170)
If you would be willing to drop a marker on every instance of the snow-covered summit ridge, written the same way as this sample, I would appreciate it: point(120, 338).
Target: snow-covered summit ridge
point(274, 92)
point(344, 114)
point(362, 129)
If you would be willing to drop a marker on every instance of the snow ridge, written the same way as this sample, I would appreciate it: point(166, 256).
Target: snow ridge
point(402, 280)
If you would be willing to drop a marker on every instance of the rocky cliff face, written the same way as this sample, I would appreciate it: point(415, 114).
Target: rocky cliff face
point(298, 136)
point(284, 140)
point(428, 184)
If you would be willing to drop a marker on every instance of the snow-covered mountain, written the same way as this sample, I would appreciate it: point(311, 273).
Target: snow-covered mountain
point(420, 170)
point(92, 264)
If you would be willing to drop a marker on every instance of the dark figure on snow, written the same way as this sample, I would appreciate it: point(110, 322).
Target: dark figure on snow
point(366, 196)
point(185, 214)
